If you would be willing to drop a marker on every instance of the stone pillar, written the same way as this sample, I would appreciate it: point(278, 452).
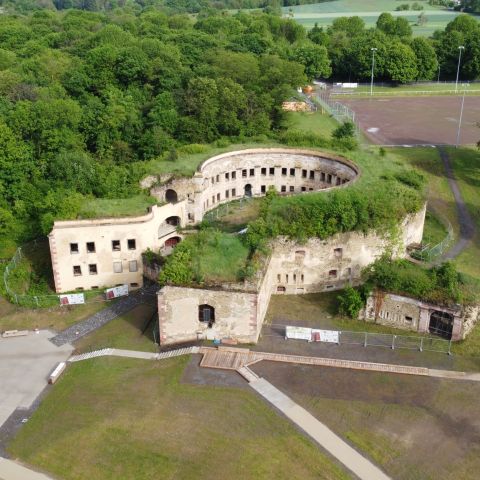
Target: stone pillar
point(197, 207)
point(424, 321)
point(457, 328)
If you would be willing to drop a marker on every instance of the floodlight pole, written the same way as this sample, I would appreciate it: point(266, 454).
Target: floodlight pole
point(460, 48)
point(438, 78)
point(373, 66)
point(460, 120)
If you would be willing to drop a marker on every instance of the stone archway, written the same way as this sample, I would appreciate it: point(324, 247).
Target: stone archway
point(171, 196)
point(248, 190)
point(441, 324)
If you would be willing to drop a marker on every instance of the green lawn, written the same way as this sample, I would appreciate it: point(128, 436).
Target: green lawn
point(322, 124)
point(124, 332)
point(434, 231)
point(117, 207)
point(112, 418)
point(466, 165)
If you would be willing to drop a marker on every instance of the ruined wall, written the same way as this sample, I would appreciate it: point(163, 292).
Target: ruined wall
point(331, 264)
point(235, 315)
point(148, 231)
point(407, 313)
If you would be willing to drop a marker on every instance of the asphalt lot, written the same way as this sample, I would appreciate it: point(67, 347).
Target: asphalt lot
point(25, 365)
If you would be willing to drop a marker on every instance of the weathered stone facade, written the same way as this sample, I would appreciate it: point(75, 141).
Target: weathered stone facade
point(411, 314)
point(114, 246)
point(331, 264)
point(292, 268)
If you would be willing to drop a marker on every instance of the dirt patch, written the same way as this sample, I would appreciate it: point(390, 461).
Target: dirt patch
point(417, 120)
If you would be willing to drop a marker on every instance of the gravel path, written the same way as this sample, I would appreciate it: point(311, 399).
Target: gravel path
point(467, 226)
point(124, 305)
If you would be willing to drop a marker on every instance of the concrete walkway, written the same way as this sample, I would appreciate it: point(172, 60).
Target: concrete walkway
point(13, 471)
point(348, 456)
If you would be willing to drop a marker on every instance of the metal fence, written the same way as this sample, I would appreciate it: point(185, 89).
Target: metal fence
point(387, 340)
point(372, 339)
point(340, 112)
point(427, 253)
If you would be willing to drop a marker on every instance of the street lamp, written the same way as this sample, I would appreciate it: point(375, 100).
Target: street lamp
point(438, 78)
point(373, 66)
point(457, 143)
point(460, 48)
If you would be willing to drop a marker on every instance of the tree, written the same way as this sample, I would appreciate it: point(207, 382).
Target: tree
point(350, 303)
point(314, 58)
point(386, 23)
point(427, 64)
point(401, 63)
point(318, 36)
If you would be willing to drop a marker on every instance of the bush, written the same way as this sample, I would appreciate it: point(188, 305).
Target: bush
point(193, 148)
point(346, 130)
point(350, 302)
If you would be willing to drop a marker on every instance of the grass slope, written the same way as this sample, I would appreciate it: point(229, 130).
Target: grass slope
point(131, 419)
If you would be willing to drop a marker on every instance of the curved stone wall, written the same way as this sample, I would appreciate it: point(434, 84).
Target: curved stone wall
point(252, 172)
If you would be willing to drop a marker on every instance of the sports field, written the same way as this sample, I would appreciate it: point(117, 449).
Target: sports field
point(369, 10)
point(417, 120)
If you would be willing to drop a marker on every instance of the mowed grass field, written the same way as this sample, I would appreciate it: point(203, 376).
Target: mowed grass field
point(415, 428)
point(325, 13)
point(112, 418)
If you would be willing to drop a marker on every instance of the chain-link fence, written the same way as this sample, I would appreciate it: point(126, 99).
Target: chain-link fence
point(428, 253)
point(340, 112)
point(24, 299)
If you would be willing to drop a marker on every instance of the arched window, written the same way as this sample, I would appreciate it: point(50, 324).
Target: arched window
point(248, 190)
point(174, 221)
point(206, 314)
point(171, 196)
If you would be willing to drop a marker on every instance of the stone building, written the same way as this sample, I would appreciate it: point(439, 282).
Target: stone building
point(89, 254)
point(106, 252)
point(454, 322)
point(238, 310)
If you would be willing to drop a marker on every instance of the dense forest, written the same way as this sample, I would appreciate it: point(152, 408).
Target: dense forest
point(176, 6)
point(87, 97)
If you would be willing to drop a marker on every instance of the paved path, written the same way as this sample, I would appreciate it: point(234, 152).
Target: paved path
point(13, 471)
point(25, 364)
point(354, 461)
point(229, 358)
point(124, 305)
point(467, 225)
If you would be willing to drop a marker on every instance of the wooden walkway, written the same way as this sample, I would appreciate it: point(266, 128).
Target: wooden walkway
point(228, 358)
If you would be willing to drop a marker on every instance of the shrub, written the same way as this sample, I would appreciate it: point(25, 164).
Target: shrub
point(193, 148)
point(346, 130)
point(350, 302)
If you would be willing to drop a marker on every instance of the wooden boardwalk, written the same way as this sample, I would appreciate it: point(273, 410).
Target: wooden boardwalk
point(228, 358)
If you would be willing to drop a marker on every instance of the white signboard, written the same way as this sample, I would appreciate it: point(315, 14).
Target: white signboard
point(299, 333)
point(350, 85)
point(72, 299)
point(115, 292)
point(330, 336)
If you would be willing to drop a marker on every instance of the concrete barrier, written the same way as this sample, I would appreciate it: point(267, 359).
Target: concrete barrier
point(55, 375)
point(14, 333)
